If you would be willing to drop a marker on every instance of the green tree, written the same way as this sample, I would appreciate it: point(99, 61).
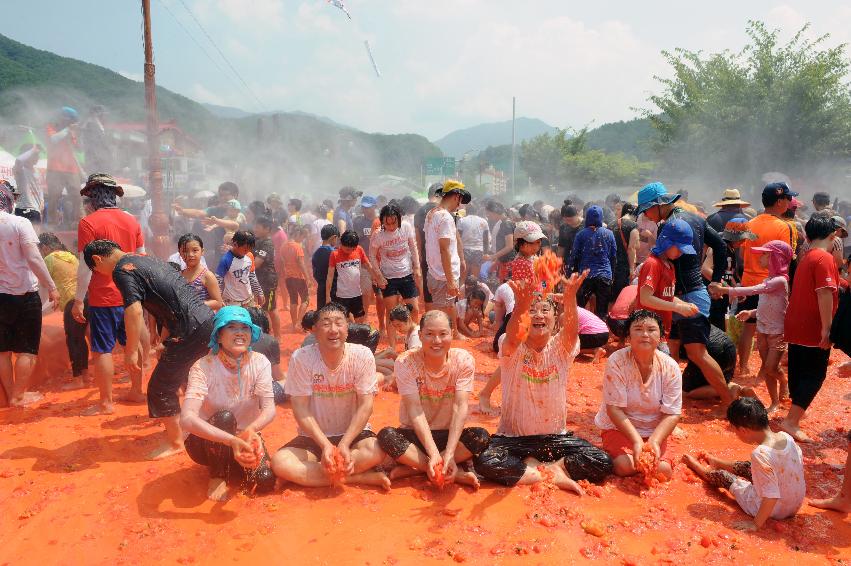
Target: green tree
point(768, 107)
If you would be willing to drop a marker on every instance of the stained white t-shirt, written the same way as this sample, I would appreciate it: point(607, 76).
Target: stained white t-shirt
point(16, 278)
point(505, 295)
point(440, 224)
point(472, 229)
point(534, 389)
point(776, 474)
point(412, 340)
point(333, 393)
point(644, 404)
point(392, 251)
point(435, 390)
point(221, 389)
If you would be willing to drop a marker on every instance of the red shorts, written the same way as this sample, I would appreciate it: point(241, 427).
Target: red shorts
point(615, 443)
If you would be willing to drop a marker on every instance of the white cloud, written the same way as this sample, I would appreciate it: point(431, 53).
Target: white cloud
point(257, 15)
point(138, 77)
point(200, 93)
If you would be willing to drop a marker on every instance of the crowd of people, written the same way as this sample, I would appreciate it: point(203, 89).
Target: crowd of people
point(643, 285)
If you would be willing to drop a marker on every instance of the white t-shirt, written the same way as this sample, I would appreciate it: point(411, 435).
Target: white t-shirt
point(472, 230)
point(644, 404)
point(314, 235)
point(16, 277)
point(220, 389)
point(391, 251)
point(412, 340)
point(436, 390)
point(776, 474)
point(441, 224)
point(333, 394)
point(235, 272)
point(534, 389)
point(505, 295)
point(175, 258)
point(461, 308)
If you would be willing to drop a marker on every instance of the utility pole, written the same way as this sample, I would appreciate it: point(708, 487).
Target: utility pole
point(159, 218)
point(513, 116)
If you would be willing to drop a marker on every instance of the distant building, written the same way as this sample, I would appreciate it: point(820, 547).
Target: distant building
point(493, 180)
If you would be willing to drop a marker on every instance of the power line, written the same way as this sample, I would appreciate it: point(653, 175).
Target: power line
point(224, 58)
point(190, 36)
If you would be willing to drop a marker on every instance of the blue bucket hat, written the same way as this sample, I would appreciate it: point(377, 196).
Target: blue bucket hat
point(229, 314)
point(652, 194)
point(675, 232)
point(368, 202)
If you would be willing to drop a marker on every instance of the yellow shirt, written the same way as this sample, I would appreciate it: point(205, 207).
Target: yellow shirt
point(62, 267)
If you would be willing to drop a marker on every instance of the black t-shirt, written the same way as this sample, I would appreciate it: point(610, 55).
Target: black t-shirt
point(163, 292)
point(363, 226)
point(566, 236)
point(419, 226)
point(622, 234)
point(719, 219)
point(506, 228)
point(268, 346)
point(688, 266)
point(266, 274)
point(319, 261)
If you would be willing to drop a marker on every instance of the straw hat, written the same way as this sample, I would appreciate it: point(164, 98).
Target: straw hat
point(731, 197)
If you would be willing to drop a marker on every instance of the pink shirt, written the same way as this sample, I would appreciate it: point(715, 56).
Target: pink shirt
point(590, 323)
point(773, 302)
point(436, 391)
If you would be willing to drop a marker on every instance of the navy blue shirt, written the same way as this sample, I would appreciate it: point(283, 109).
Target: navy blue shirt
point(319, 261)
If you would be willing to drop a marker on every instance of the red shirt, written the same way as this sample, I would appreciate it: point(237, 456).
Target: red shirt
point(522, 269)
point(108, 224)
point(60, 156)
point(817, 270)
point(658, 274)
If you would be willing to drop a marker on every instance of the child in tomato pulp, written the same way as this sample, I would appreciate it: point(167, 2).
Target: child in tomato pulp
point(776, 472)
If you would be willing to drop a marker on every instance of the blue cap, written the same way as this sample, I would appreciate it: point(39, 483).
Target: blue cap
point(70, 113)
point(779, 189)
point(229, 314)
point(652, 194)
point(675, 232)
point(368, 202)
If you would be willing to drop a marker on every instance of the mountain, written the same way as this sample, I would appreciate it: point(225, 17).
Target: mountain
point(226, 111)
point(291, 152)
point(479, 137)
point(633, 137)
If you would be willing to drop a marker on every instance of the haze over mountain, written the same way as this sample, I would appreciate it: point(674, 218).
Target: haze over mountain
point(477, 138)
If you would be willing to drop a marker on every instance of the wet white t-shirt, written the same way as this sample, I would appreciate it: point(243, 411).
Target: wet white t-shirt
point(435, 390)
point(776, 474)
point(644, 404)
point(534, 389)
point(391, 251)
point(505, 295)
point(221, 389)
point(472, 229)
point(333, 394)
point(440, 224)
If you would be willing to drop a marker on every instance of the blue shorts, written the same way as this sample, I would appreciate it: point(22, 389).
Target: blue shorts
point(106, 325)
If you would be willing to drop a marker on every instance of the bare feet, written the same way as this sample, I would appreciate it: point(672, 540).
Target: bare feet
point(794, 431)
point(217, 490)
point(378, 479)
point(28, 398)
point(561, 479)
point(402, 471)
point(164, 451)
point(102, 409)
point(76, 383)
point(486, 408)
point(598, 355)
point(467, 478)
point(133, 397)
point(841, 503)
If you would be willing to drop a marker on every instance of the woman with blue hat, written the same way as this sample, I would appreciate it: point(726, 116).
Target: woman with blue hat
point(229, 399)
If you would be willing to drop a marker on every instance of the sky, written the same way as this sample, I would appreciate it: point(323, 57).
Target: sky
point(445, 64)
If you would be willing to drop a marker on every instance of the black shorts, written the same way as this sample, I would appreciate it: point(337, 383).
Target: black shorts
point(722, 349)
point(404, 286)
point(394, 441)
point(426, 293)
point(271, 299)
point(20, 323)
point(31, 214)
point(747, 304)
point(693, 330)
point(589, 341)
point(807, 370)
point(618, 327)
point(172, 370)
point(354, 305)
point(297, 289)
point(307, 443)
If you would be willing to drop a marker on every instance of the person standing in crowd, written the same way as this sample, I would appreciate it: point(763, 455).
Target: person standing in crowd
point(295, 273)
point(347, 261)
point(196, 273)
point(594, 249)
point(343, 218)
point(276, 209)
point(365, 224)
point(434, 191)
point(314, 233)
point(735, 234)
point(22, 269)
point(821, 201)
point(63, 170)
point(503, 238)
point(223, 420)
point(30, 203)
point(294, 211)
point(443, 256)
point(95, 141)
point(767, 226)
point(731, 205)
point(692, 332)
point(475, 238)
point(571, 224)
point(106, 309)
point(227, 192)
point(264, 267)
point(393, 250)
point(320, 261)
point(62, 266)
point(236, 275)
point(812, 304)
point(148, 284)
point(627, 242)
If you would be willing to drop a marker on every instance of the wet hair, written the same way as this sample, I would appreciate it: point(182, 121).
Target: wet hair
point(641, 315)
point(389, 211)
point(821, 199)
point(495, 207)
point(749, 413)
point(296, 204)
point(628, 209)
point(244, 238)
point(819, 227)
point(568, 210)
point(401, 312)
point(328, 231)
point(329, 308)
point(258, 208)
point(349, 238)
point(51, 241)
point(259, 317)
point(265, 221)
point(526, 212)
point(174, 265)
point(297, 230)
point(479, 294)
point(186, 238)
point(230, 187)
point(308, 320)
point(101, 248)
point(409, 205)
point(434, 314)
